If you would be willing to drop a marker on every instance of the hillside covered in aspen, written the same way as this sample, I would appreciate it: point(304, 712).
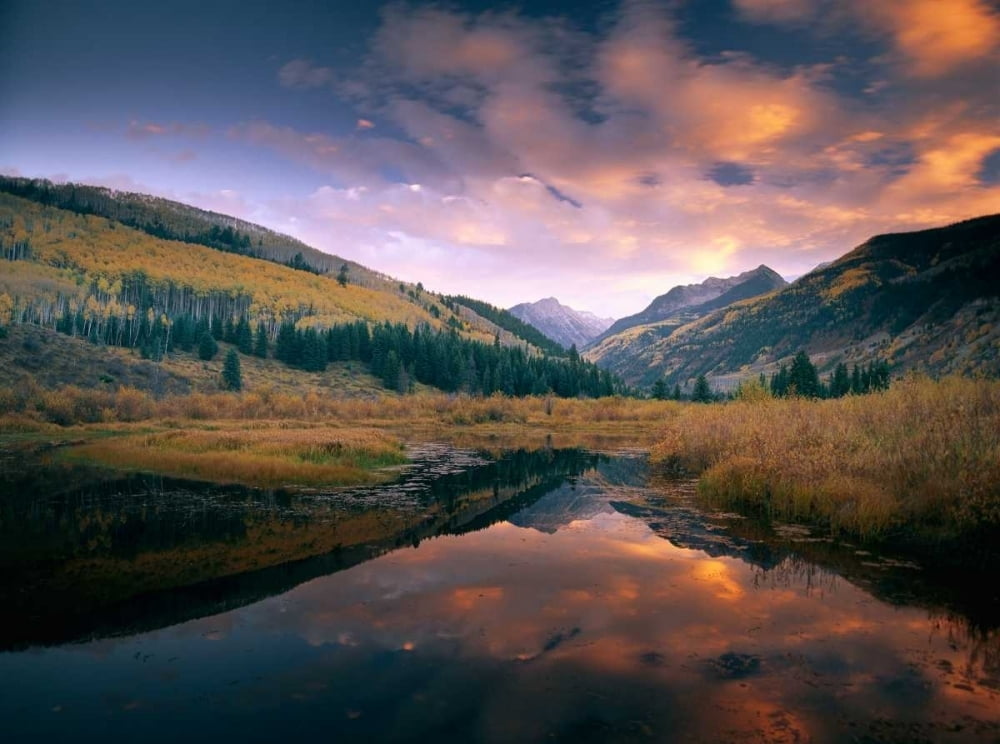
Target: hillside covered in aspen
point(97, 279)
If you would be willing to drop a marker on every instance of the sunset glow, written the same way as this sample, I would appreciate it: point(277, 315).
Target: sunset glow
point(622, 147)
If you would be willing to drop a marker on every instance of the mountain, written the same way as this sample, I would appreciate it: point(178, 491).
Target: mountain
point(154, 278)
point(562, 324)
point(509, 321)
point(720, 291)
point(927, 300)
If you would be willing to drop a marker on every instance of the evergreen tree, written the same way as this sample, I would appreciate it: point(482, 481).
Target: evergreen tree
point(779, 382)
point(260, 342)
point(802, 377)
point(313, 354)
point(342, 275)
point(390, 370)
point(660, 389)
point(840, 383)
point(232, 376)
point(229, 331)
point(702, 392)
point(676, 394)
point(244, 336)
point(207, 347)
point(286, 346)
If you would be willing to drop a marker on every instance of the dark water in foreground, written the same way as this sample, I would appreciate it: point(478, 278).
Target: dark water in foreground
point(550, 596)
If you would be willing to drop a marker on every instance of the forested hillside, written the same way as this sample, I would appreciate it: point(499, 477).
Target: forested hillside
point(105, 282)
point(171, 220)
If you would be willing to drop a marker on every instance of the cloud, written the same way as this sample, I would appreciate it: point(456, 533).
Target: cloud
point(223, 201)
point(143, 130)
point(929, 38)
point(351, 160)
point(184, 156)
point(301, 73)
point(935, 38)
point(512, 150)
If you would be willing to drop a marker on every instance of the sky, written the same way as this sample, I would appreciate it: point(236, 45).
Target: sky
point(597, 152)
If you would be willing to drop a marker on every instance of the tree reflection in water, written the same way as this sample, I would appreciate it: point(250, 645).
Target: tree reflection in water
point(549, 596)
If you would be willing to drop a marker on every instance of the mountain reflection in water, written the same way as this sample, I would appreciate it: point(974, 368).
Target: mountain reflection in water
point(588, 604)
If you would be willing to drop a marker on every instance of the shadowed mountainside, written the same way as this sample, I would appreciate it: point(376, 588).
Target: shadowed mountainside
point(923, 300)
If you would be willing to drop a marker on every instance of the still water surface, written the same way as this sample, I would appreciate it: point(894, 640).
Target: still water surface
point(547, 596)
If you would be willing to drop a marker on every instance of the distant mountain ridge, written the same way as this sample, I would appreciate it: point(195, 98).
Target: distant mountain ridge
point(561, 323)
point(721, 292)
point(926, 300)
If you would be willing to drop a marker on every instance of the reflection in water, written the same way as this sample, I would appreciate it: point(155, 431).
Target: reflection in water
point(587, 607)
point(128, 554)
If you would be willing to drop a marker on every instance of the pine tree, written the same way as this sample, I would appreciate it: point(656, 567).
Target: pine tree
point(207, 347)
point(660, 389)
point(342, 276)
point(802, 377)
point(244, 336)
point(260, 342)
point(232, 376)
point(286, 345)
point(702, 392)
point(840, 384)
point(390, 370)
point(313, 356)
point(779, 382)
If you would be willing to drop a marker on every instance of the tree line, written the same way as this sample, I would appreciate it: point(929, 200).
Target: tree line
point(400, 356)
point(798, 379)
point(802, 379)
point(394, 353)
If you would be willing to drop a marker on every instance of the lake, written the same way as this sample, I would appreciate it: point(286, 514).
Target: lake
point(549, 595)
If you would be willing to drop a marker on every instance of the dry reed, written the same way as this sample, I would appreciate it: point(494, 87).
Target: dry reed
point(922, 455)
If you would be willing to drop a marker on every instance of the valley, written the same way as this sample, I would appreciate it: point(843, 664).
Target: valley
point(194, 420)
point(500, 373)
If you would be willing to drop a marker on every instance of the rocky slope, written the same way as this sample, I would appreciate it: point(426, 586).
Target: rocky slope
point(748, 284)
point(562, 324)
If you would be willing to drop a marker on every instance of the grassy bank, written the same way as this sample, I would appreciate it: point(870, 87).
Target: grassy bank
point(268, 455)
point(269, 438)
point(921, 459)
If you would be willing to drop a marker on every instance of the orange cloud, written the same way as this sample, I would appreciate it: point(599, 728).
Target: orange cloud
point(824, 169)
point(936, 37)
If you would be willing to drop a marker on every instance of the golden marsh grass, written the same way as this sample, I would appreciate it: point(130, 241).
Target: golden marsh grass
point(922, 455)
point(265, 457)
